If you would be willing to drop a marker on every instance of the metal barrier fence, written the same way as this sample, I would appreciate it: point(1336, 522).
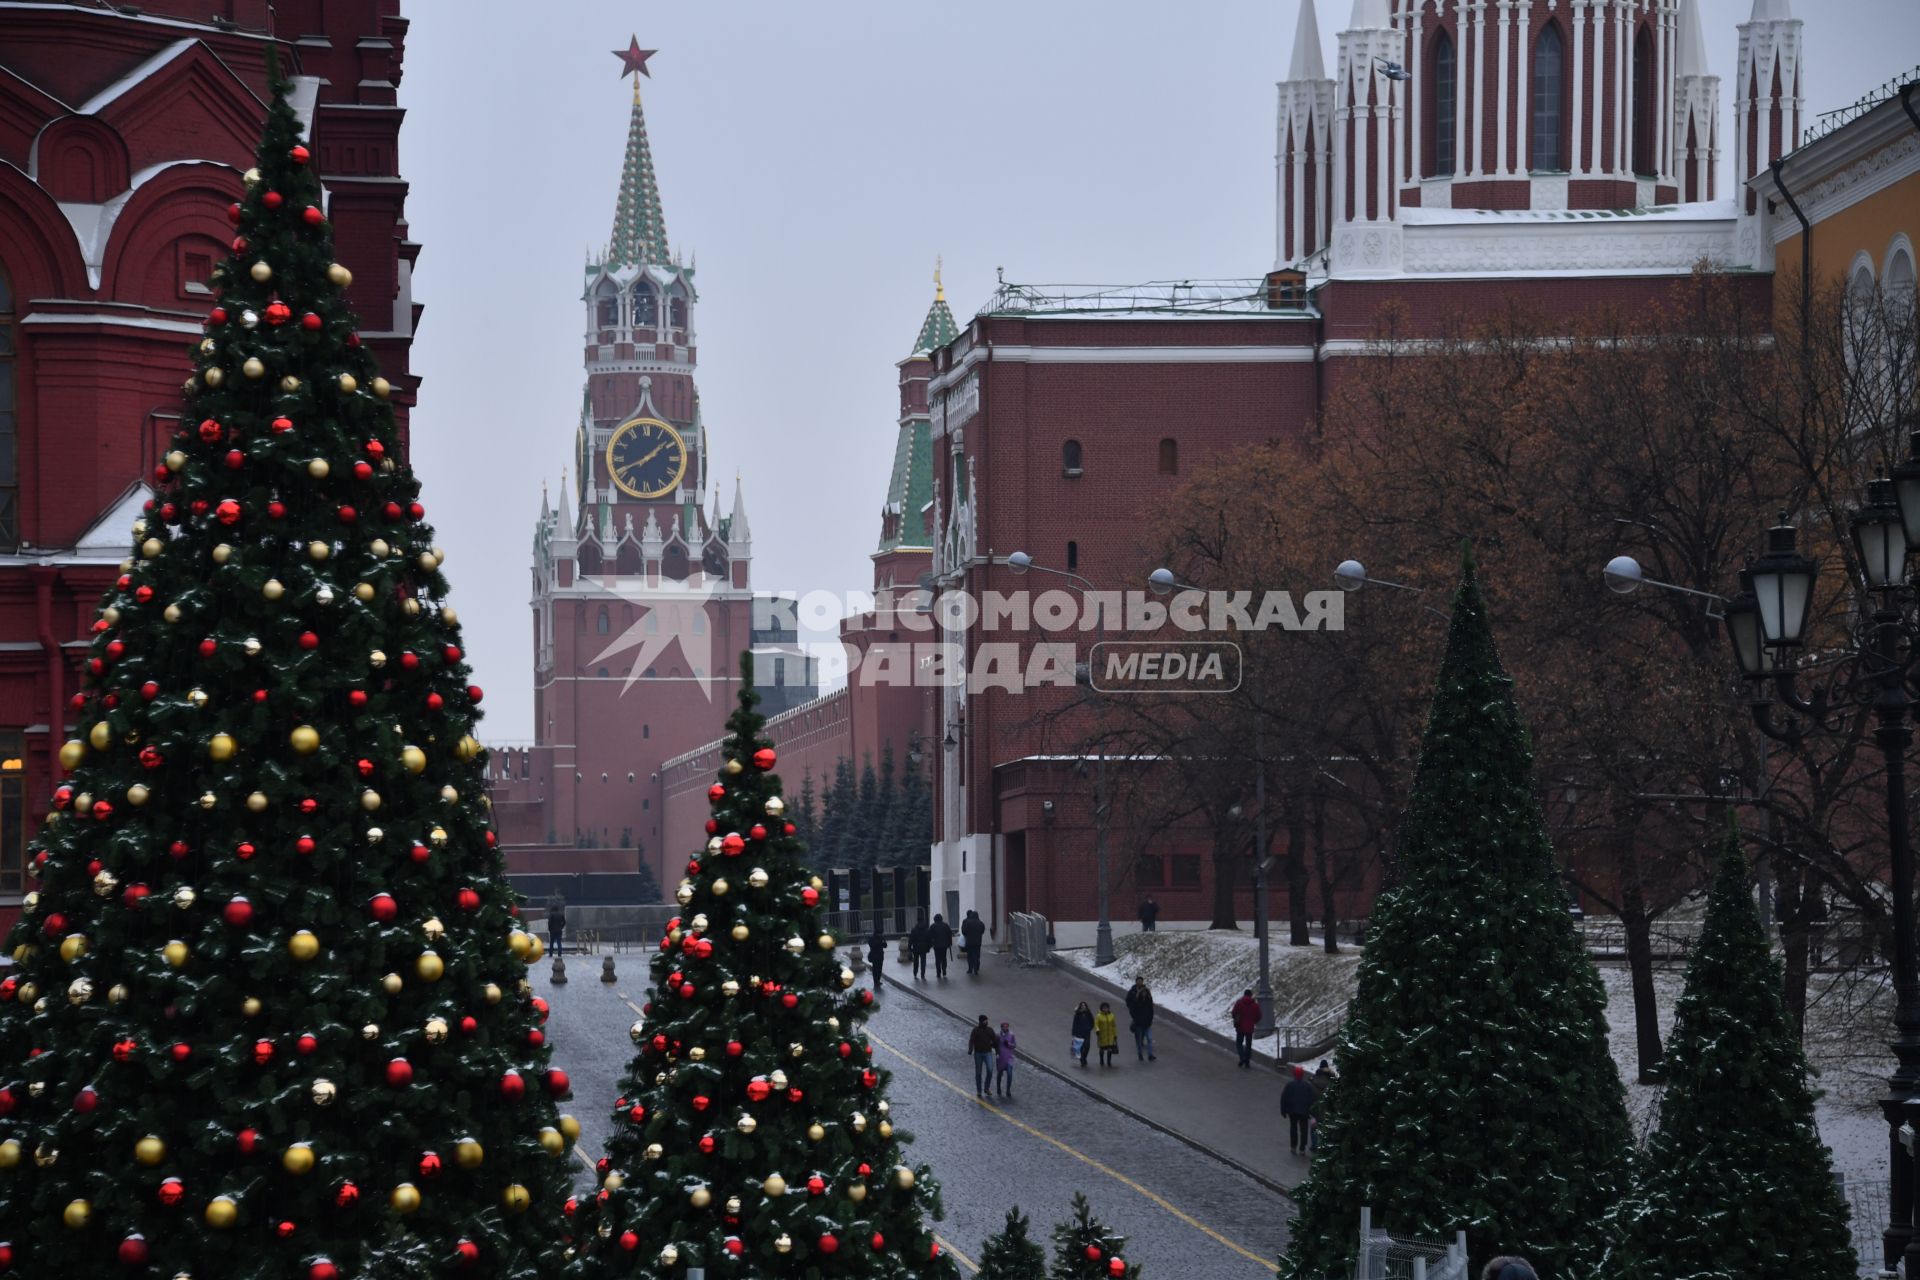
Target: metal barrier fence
point(1029, 936)
point(1386, 1257)
point(1308, 1037)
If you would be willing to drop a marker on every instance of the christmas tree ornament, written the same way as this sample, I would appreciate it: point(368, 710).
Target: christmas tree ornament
point(298, 1158)
point(740, 933)
point(469, 1154)
point(77, 1214)
point(783, 1243)
point(323, 1093)
point(303, 945)
point(430, 966)
point(404, 1198)
point(436, 1030)
point(221, 1212)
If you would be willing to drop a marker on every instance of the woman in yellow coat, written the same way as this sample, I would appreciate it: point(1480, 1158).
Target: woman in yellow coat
point(1106, 1030)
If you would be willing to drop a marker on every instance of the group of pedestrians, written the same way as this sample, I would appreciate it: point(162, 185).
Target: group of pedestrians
point(1300, 1104)
point(936, 940)
point(1102, 1030)
point(992, 1058)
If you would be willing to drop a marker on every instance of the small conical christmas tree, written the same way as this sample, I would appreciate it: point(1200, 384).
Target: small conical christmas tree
point(1011, 1253)
point(1735, 1181)
point(1475, 1091)
point(269, 1018)
point(753, 1136)
point(1083, 1248)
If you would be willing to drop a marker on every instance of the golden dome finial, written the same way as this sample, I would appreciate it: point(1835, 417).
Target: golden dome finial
point(939, 290)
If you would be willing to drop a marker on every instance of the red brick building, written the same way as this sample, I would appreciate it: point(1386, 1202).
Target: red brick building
point(123, 135)
point(1461, 155)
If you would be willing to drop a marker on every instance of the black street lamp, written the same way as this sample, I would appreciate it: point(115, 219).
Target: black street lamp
point(1766, 624)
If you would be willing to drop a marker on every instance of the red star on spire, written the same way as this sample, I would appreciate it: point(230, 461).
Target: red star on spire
point(633, 58)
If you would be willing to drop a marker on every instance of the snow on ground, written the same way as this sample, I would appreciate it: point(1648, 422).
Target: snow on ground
point(1199, 974)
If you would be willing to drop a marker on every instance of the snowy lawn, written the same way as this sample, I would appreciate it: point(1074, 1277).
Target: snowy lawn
point(1199, 974)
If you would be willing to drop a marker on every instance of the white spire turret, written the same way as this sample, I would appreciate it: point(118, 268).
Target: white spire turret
point(1690, 59)
point(737, 526)
point(1768, 101)
point(1696, 111)
point(1303, 149)
point(1308, 64)
point(1370, 15)
point(1366, 115)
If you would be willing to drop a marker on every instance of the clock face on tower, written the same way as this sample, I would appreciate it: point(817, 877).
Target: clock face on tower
point(646, 458)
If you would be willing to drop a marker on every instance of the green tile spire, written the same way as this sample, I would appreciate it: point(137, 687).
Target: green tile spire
point(910, 487)
point(938, 329)
point(639, 226)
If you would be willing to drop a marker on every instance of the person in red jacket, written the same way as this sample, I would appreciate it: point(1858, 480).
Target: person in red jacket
point(1246, 1016)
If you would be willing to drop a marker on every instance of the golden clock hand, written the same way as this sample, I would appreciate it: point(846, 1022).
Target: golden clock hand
point(650, 457)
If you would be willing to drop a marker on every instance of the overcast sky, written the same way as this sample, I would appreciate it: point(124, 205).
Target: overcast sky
point(815, 158)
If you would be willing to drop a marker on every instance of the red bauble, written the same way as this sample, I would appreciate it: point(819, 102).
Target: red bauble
point(179, 849)
point(134, 895)
point(391, 511)
point(790, 1000)
point(629, 1241)
point(1116, 1266)
point(659, 1044)
point(701, 1102)
point(210, 431)
point(323, 1270)
point(86, 1101)
point(123, 1050)
point(1093, 1253)
point(469, 1025)
point(262, 1052)
point(278, 313)
point(309, 640)
point(409, 661)
point(794, 1094)
point(347, 1196)
point(8, 1099)
point(281, 425)
point(347, 515)
point(540, 1007)
point(310, 322)
point(244, 850)
point(468, 899)
point(399, 1073)
point(429, 1166)
point(62, 797)
point(435, 702)
point(238, 912)
point(869, 1077)
point(180, 1050)
point(273, 199)
point(716, 793)
point(475, 693)
point(713, 827)
point(133, 1251)
point(357, 698)
point(687, 991)
point(228, 512)
point(312, 216)
point(419, 853)
point(571, 1207)
point(362, 471)
point(276, 510)
point(219, 314)
point(307, 1043)
point(764, 758)
point(467, 1252)
point(758, 1089)
point(299, 155)
point(810, 896)
point(55, 925)
point(735, 1048)
point(304, 845)
point(816, 1185)
point(734, 1246)
point(364, 766)
point(637, 1114)
point(172, 1191)
point(756, 832)
point(536, 1037)
point(829, 1243)
point(150, 757)
point(558, 1084)
point(732, 844)
point(247, 1140)
point(879, 1241)
point(512, 1086)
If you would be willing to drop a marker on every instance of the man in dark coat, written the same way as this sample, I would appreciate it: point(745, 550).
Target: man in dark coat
point(1508, 1268)
point(877, 954)
point(556, 922)
point(1322, 1077)
point(972, 930)
point(917, 946)
point(1149, 912)
point(1140, 1016)
point(940, 942)
point(1296, 1104)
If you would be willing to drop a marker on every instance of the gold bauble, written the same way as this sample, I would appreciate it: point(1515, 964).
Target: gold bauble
point(520, 943)
point(733, 1205)
point(815, 1133)
point(213, 377)
point(83, 803)
point(117, 992)
point(45, 1156)
point(720, 887)
point(319, 550)
point(450, 616)
point(796, 945)
point(28, 993)
point(449, 795)
point(684, 894)
point(73, 946)
point(78, 1214)
point(348, 383)
point(381, 387)
point(318, 468)
point(515, 1199)
point(9, 1154)
point(305, 740)
point(758, 877)
point(176, 460)
point(469, 1154)
point(715, 844)
point(857, 1192)
point(175, 952)
point(222, 746)
point(404, 1198)
point(491, 993)
point(303, 945)
point(273, 589)
point(437, 837)
point(430, 966)
point(324, 1093)
point(392, 984)
point(701, 1197)
point(433, 928)
point(775, 1185)
point(775, 806)
point(846, 977)
point(697, 1054)
point(746, 1123)
point(363, 592)
point(796, 1049)
point(375, 835)
point(783, 1242)
point(197, 697)
point(538, 950)
point(137, 794)
point(71, 754)
point(184, 897)
point(261, 272)
point(654, 1151)
point(101, 735)
point(733, 768)
point(426, 562)
point(886, 1128)
point(222, 1212)
point(251, 646)
point(370, 800)
point(778, 1079)
point(250, 1007)
point(570, 1128)
point(253, 368)
point(79, 991)
point(414, 759)
point(251, 177)
point(379, 547)
point(339, 275)
point(289, 384)
point(902, 1177)
point(669, 1255)
point(824, 942)
point(857, 1122)
point(151, 548)
point(436, 1030)
point(370, 1031)
point(298, 1158)
point(467, 748)
point(208, 800)
point(222, 553)
point(257, 802)
point(552, 1142)
point(729, 988)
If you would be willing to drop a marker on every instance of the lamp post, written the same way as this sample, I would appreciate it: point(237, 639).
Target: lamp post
point(1020, 563)
point(1767, 623)
point(1162, 582)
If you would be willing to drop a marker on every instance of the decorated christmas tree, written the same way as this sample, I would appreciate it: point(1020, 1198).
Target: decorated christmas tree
point(1011, 1253)
point(1475, 1090)
point(1735, 1181)
point(269, 1015)
point(1083, 1248)
point(753, 1136)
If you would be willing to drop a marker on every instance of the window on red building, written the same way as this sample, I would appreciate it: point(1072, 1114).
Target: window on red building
point(1170, 456)
point(13, 812)
point(1150, 871)
point(1643, 110)
point(1549, 93)
point(9, 424)
point(1186, 871)
point(1070, 457)
point(1441, 87)
point(1073, 556)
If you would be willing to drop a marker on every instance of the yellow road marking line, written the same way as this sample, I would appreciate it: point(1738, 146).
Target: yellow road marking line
point(583, 1159)
point(1115, 1174)
point(630, 1004)
point(958, 1256)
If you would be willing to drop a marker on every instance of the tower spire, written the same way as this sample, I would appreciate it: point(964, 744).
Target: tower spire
point(639, 225)
point(1308, 64)
point(938, 329)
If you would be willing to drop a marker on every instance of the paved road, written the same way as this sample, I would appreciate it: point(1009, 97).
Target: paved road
point(1187, 1215)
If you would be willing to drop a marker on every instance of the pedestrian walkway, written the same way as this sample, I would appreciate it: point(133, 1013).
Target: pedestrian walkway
point(1195, 1090)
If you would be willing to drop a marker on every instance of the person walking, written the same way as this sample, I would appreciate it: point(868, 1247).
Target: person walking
point(917, 946)
point(1082, 1031)
point(982, 1044)
point(1106, 1029)
point(1149, 913)
point(940, 939)
point(1296, 1104)
point(1245, 1016)
point(557, 922)
point(1322, 1077)
point(877, 954)
point(972, 930)
point(1140, 1019)
point(1508, 1268)
point(1004, 1045)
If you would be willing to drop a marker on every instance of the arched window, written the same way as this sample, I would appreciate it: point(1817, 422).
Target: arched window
point(1070, 457)
point(1073, 556)
point(9, 423)
point(601, 623)
point(1860, 320)
point(1443, 84)
point(651, 674)
point(646, 305)
point(603, 673)
point(653, 627)
point(646, 730)
point(607, 313)
point(1644, 163)
point(677, 306)
point(1549, 92)
point(1170, 456)
point(699, 622)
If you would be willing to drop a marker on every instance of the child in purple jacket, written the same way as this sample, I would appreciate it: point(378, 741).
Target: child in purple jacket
point(1003, 1063)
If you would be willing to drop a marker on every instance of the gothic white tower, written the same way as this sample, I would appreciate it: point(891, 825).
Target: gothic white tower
point(1768, 101)
point(1367, 107)
point(1303, 157)
point(1696, 116)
